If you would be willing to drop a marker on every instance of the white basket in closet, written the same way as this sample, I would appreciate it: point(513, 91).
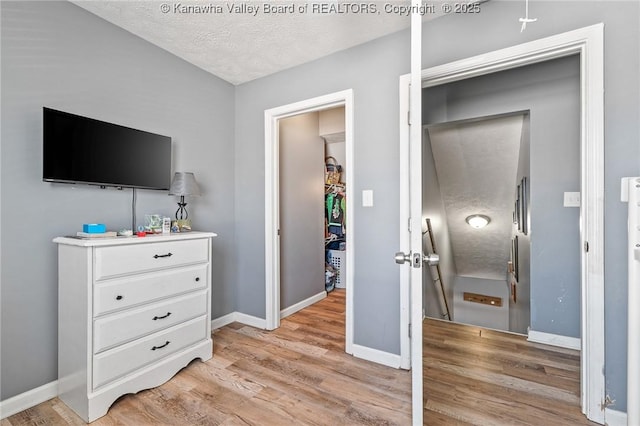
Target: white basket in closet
point(339, 261)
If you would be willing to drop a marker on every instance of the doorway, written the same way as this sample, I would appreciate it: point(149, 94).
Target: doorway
point(588, 44)
point(342, 102)
point(312, 208)
point(475, 199)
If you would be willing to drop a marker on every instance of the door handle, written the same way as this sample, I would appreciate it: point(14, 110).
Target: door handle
point(431, 259)
point(401, 258)
point(416, 259)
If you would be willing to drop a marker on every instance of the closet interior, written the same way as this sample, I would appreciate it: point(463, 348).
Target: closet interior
point(312, 211)
point(332, 132)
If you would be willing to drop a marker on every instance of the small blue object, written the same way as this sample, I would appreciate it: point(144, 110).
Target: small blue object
point(94, 228)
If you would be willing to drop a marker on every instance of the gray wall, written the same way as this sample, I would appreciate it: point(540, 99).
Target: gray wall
point(496, 317)
point(301, 209)
point(497, 26)
point(58, 55)
point(372, 71)
point(64, 57)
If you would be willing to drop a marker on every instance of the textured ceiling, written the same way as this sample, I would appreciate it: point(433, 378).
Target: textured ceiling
point(476, 164)
point(244, 44)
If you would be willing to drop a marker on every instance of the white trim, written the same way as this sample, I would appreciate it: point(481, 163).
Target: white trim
point(374, 355)
point(220, 322)
point(592, 380)
point(615, 418)
point(303, 304)
point(272, 213)
point(554, 340)
point(415, 216)
point(631, 194)
point(28, 399)
point(238, 317)
point(251, 320)
point(405, 299)
point(588, 42)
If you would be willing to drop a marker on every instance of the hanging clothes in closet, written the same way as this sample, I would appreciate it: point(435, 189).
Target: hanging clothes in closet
point(335, 233)
point(335, 207)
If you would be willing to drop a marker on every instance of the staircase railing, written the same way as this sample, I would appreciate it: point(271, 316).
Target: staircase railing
point(437, 277)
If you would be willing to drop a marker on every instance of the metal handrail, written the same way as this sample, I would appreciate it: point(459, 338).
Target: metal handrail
point(437, 266)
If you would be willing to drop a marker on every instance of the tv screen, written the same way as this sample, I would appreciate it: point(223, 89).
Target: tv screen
point(78, 149)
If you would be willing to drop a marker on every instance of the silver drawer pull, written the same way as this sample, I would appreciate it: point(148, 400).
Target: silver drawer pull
point(156, 256)
point(164, 316)
point(161, 346)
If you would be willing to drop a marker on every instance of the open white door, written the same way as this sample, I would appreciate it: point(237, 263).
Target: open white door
point(411, 257)
point(589, 44)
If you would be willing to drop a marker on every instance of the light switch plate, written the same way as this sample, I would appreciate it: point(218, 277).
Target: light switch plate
point(572, 199)
point(367, 198)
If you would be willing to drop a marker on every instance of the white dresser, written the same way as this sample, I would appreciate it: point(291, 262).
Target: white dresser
point(131, 313)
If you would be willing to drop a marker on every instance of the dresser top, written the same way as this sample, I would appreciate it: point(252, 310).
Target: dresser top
point(116, 241)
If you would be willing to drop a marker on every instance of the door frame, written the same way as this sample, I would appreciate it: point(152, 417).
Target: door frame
point(272, 201)
point(588, 43)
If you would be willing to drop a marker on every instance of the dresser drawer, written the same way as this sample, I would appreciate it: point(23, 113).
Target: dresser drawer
point(122, 260)
point(113, 330)
point(122, 293)
point(118, 362)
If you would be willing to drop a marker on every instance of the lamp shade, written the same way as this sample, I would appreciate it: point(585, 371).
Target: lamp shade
point(184, 183)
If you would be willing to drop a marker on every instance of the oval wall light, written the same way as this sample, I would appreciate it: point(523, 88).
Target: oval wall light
point(478, 220)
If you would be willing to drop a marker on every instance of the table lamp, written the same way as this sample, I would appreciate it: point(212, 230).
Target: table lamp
point(183, 184)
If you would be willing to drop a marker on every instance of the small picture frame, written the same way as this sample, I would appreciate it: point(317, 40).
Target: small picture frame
point(518, 220)
point(524, 205)
point(514, 257)
point(166, 225)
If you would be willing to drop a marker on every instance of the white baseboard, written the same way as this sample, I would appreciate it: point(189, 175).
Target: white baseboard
point(251, 320)
point(223, 320)
point(28, 399)
point(238, 317)
point(301, 305)
point(554, 340)
point(374, 355)
point(262, 323)
point(614, 418)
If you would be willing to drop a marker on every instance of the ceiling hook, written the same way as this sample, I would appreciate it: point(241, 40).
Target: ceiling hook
point(526, 18)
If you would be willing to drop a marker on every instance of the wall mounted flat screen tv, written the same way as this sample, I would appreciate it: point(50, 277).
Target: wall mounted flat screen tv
point(78, 149)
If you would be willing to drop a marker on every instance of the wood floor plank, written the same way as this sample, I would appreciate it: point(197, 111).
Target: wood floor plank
point(477, 376)
point(299, 374)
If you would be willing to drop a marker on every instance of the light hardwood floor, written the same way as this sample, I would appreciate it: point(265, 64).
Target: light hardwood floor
point(475, 376)
point(300, 375)
point(296, 375)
